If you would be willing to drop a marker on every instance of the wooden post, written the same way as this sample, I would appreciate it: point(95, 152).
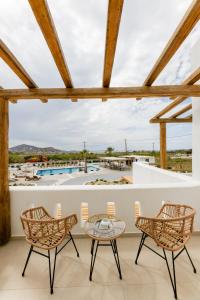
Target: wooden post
point(5, 225)
point(163, 146)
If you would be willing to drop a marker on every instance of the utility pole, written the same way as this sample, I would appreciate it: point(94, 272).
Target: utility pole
point(85, 157)
point(125, 143)
point(153, 147)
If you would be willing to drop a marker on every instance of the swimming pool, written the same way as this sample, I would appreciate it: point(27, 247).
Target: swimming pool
point(67, 170)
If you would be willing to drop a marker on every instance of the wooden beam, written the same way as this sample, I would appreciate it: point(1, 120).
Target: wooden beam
point(12, 101)
point(5, 225)
point(16, 67)
point(175, 120)
point(163, 146)
point(189, 116)
point(113, 22)
point(186, 25)
point(95, 93)
point(43, 16)
point(182, 111)
point(194, 77)
point(169, 107)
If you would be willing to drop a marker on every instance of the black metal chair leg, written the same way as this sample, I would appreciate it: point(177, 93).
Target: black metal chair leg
point(194, 269)
point(54, 267)
point(49, 258)
point(140, 246)
point(27, 260)
point(74, 244)
point(173, 280)
point(174, 273)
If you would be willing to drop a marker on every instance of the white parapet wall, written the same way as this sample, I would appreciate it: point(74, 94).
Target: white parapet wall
point(162, 186)
point(145, 174)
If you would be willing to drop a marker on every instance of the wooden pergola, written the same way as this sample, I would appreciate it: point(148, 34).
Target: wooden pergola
point(45, 21)
point(175, 117)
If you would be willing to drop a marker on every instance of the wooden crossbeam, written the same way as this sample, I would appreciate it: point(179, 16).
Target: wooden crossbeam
point(169, 107)
point(186, 25)
point(12, 101)
point(96, 93)
point(189, 116)
point(182, 111)
point(174, 120)
point(45, 21)
point(194, 77)
point(16, 67)
point(113, 22)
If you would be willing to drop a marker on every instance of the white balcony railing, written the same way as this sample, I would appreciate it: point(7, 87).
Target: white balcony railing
point(151, 187)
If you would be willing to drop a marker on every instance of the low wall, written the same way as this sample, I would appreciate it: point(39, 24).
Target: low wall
point(150, 195)
point(145, 174)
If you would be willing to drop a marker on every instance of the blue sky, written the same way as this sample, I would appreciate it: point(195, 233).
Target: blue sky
point(146, 26)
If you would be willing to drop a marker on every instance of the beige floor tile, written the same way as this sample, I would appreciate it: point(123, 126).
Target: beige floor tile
point(113, 293)
point(74, 293)
point(147, 280)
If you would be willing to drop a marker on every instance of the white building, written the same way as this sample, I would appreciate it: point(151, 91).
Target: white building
point(141, 159)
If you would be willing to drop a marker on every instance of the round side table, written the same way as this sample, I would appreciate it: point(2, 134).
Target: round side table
point(104, 237)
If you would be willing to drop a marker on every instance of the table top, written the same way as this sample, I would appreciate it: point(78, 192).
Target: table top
point(93, 227)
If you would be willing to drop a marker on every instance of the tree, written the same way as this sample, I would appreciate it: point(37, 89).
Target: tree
point(109, 150)
point(84, 154)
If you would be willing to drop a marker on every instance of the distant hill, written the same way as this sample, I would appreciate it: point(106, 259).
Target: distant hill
point(35, 150)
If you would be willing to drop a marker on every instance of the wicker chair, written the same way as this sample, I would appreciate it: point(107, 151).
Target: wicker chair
point(170, 230)
point(44, 232)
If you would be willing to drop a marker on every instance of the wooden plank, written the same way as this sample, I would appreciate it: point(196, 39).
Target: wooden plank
point(163, 146)
point(194, 77)
point(43, 16)
point(12, 101)
point(113, 22)
point(182, 111)
point(95, 93)
point(187, 119)
point(16, 67)
point(189, 116)
point(5, 225)
point(169, 107)
point(186, 25)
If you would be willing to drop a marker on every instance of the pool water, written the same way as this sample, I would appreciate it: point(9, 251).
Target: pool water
point(68, 170)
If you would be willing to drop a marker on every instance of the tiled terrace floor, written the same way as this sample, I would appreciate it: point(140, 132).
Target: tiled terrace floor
point(148, 280)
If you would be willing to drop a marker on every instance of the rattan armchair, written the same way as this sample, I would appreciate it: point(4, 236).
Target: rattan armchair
point(170, 229)
point(45, 232)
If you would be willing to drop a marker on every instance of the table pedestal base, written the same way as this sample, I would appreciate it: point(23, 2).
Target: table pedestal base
point(94, 247)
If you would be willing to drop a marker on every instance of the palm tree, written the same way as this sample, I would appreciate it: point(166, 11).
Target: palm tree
point(109, 150)
point(84, 155)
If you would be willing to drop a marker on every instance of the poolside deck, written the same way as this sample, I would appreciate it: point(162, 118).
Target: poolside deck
point(80, 178)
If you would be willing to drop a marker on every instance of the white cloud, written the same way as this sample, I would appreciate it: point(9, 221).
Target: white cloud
point(145, 28)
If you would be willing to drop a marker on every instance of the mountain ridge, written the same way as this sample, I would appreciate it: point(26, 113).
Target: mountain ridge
point(24, 148)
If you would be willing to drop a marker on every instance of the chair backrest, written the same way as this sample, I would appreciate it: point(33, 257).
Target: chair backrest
point(37, 223)
point(175, 221)
point(35, 213)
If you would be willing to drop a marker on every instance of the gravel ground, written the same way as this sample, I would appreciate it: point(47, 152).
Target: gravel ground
point(109, 174)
